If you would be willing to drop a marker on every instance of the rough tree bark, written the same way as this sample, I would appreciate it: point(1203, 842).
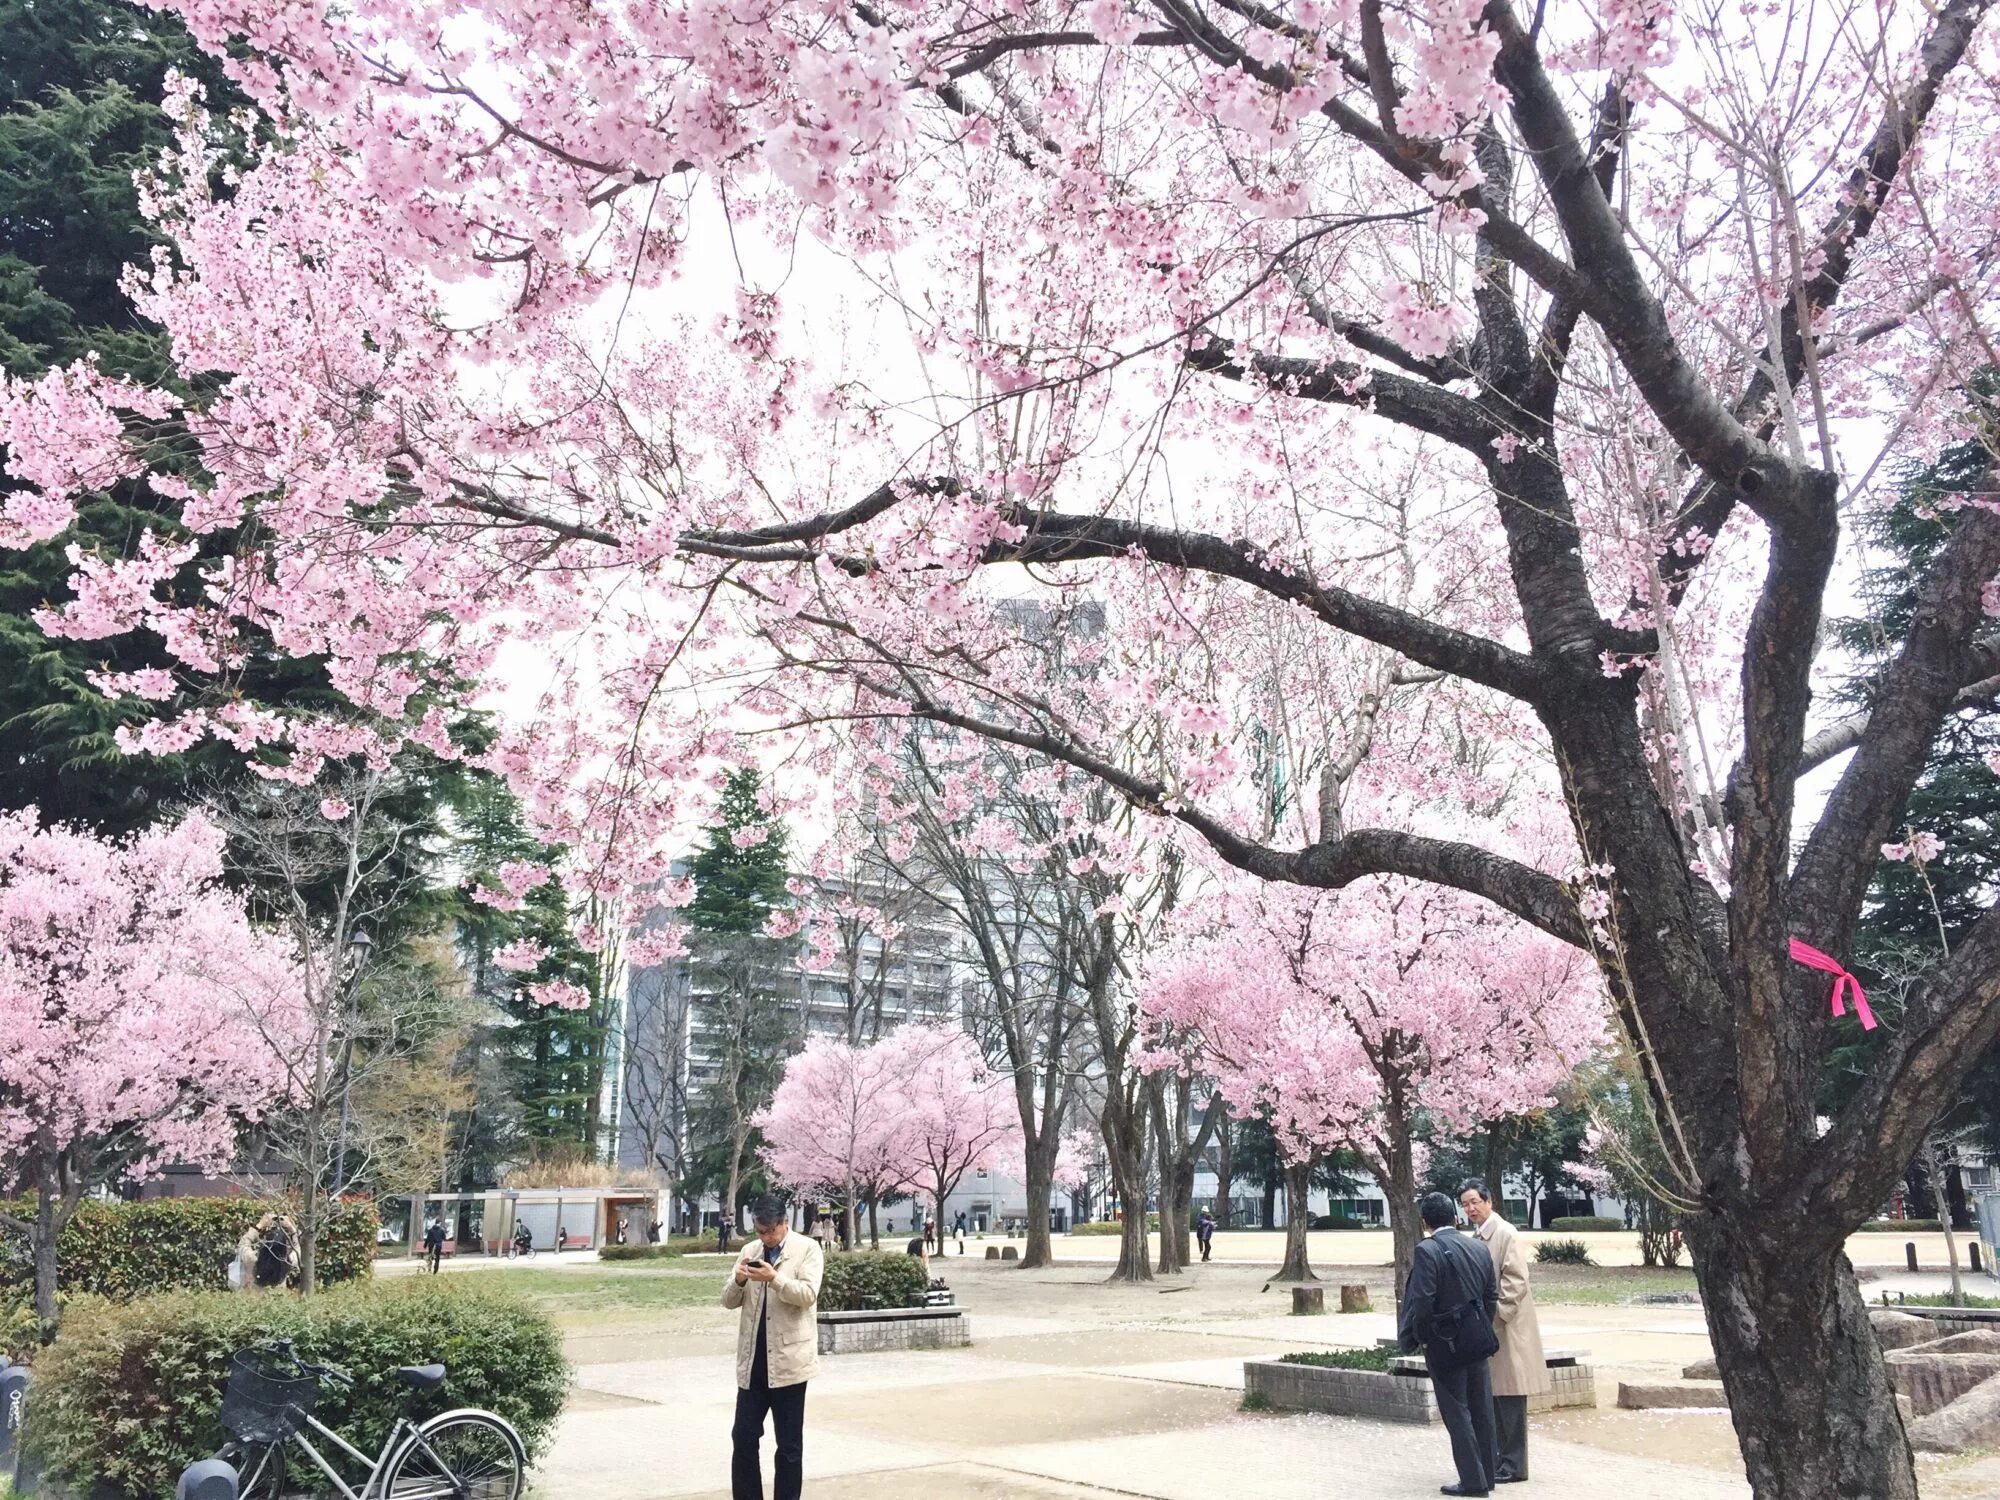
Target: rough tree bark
point(1298, 1221)
point(1223, 1181)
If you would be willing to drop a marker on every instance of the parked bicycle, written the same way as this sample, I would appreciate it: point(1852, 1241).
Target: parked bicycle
point(267, 1410)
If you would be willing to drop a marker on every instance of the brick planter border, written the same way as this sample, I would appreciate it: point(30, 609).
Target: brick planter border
point(1403, 1395)
point(875, 1329)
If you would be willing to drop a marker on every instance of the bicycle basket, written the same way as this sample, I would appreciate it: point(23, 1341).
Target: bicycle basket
point(265, 1401)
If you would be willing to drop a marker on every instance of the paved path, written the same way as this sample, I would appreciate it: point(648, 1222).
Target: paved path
point(1076, 1390)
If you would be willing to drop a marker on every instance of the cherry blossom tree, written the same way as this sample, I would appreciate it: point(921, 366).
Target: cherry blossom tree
point(1348, 1016)
point(134, 1001)
point(835, 1123)
point(958, 1112)
point(1547, 353)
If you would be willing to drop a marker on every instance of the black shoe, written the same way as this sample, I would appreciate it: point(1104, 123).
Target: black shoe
point(1459, 1489)
point(1512, 1479)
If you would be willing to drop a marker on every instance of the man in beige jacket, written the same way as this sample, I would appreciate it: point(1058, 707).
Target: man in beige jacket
point(775, 1282)
point(1519, 1369)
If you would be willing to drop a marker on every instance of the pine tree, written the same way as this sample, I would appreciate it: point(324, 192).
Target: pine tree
point(1914, 911)
point(744, 982)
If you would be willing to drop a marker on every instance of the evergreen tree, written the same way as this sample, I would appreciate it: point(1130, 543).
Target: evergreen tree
point(1914, 910)
point(745, 984)
point(81, 85)
point(739, 871)
point(538, 1071)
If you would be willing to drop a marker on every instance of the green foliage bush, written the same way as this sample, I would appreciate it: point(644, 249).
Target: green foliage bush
point(1563, 1253)
point(1343, 1221)
point(128, 1396)
point(1901, 1226)
point(897, 1280)
point(1112, 1226)
point(1341, 1359)
point(126, 1250)
point(1585, 1224)
point(667, 1249)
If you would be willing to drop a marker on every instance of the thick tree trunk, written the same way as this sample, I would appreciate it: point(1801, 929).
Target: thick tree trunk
point(1041, 1188)
point(1298, 1221)
point(874, 1223)
point(48, 1233)
point(847, 1218)
point(1399, 1181)
point(1810, 1396)
point(1168, 1133)
point(1270, 1205)
point(1123, 1122)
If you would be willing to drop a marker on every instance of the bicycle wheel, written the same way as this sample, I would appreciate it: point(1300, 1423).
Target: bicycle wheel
point(260, 1469)
point(462, 1455)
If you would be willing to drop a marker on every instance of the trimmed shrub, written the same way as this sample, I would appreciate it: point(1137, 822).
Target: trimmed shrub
point(1563, 1253)
point(1343, 1221)
point(895, 1280)
point(1585, 1224)
point(1901, 1226)
point(1341, 1359)
point(1113, 1226)
point(126, 1250)
point(638, 1252)
point(128, 1396)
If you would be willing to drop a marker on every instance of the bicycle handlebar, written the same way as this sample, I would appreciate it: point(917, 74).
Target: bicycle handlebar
point(284, 1350)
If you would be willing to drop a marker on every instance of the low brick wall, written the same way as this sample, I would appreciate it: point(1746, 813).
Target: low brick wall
point(1403, 1395)
point(893, 1328)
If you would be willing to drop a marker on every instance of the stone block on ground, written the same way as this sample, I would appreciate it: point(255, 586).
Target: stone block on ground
point(1670, 1395)
point(1354, 1298)
point(1308, 1299)
point(1894, 1330)
point(1972, 1421)
point(1010, 1252)
point(1977, 1341)
point(1701, 1369)
point(992, 1252)
point(1933, 1381)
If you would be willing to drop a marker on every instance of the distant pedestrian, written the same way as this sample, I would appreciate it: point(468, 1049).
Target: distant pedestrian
point(722, 1235)
point(1204, 1232)
point(653, 1231)
point(920, 1248)
point(1447, 1311)
point(958, 1231)
point(624, 1228)
point(434, 1244)
point(562, 1236)
point(1520, 1369)
point(775, 1283)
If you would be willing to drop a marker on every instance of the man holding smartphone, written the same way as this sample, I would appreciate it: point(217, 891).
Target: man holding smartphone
point(775, 1284)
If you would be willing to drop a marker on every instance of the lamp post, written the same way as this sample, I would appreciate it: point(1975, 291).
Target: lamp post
point(358, 944)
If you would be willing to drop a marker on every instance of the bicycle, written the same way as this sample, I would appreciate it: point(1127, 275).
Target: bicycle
point(464, 1454)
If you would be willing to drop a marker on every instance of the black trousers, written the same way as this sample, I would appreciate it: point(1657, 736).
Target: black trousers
point(1465, 1401)
point(787, 1406)
point(1510, 1430)
point(436, 1255)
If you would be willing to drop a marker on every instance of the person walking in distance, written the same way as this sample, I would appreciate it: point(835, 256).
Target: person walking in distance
point(958, 1231)
point(434, 1244)
point(1519, 1370)
point(1204, 1232)
point(1447, 1312)
point(774, 1286)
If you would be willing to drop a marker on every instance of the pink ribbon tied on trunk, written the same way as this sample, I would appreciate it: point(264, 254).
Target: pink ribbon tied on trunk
point(1812, 958)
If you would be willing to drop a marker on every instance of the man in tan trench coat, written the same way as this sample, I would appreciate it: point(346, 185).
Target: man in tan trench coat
point(775, 1283)
point(1519, 1370)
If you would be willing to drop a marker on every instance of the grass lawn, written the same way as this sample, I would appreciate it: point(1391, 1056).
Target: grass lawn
point(590, 1300)
point(1604, 1285)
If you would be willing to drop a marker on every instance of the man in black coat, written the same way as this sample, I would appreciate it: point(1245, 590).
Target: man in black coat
point(1448, 1270)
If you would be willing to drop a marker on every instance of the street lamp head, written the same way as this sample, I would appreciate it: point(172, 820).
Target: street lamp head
point(358, 944)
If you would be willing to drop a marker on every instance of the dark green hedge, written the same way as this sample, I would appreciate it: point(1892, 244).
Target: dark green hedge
point(673, 1245)
point(1585, 1223)
point(127, 1397)
point(125, 1250)
point(898, 1280)
point(1901, 1226)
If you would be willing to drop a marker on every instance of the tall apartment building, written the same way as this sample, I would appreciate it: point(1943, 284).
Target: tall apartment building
point(668, 1046)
